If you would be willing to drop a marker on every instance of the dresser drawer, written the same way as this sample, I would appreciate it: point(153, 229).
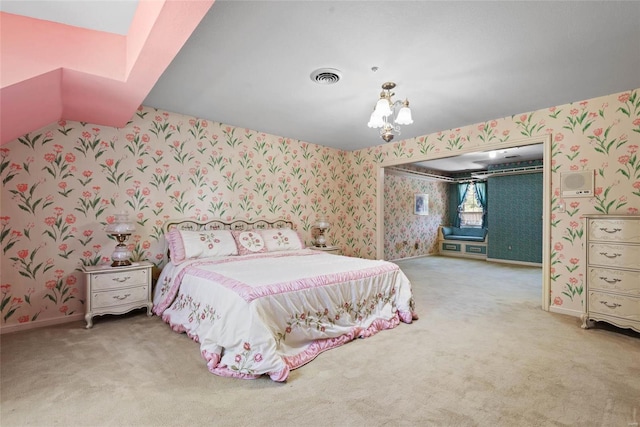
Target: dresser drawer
point(114, 280)
point(607, 254)
point(120, 297)
point(621, 281)
point(614, 230)
point(625, 307)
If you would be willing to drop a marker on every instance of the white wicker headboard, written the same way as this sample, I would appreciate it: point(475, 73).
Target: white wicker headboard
point(218, 224)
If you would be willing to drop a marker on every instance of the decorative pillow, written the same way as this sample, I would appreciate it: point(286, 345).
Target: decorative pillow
point(281, 239)
point(249, 242)
point(185, 244)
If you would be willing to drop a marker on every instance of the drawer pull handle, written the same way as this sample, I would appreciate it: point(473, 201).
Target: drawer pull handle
point(612, 305)
point(121, 279)
point(606, 230)
point(612, 281)
point(610, 256)
point(118, 297)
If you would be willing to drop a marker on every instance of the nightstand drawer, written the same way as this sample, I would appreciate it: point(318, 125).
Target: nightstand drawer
point(120, 297)
point(115, 280)
point(625, 307)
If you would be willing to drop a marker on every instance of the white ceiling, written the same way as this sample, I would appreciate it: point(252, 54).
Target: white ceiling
point(478, 161)
point(458, 63)
point(248, 63)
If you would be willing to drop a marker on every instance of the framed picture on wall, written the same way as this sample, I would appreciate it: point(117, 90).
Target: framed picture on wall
point(421, 204)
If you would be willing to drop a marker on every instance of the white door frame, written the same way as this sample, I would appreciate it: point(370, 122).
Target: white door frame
point(546, 199)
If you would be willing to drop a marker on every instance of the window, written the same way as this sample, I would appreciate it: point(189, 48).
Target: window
point(471, 210)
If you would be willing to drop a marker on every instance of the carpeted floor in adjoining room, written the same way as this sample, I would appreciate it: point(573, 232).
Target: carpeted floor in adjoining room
point(482, 354)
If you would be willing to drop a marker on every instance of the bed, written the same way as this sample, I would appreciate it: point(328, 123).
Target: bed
point(260, 303)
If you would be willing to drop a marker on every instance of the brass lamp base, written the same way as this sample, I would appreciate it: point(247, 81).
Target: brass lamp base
point(120, 263)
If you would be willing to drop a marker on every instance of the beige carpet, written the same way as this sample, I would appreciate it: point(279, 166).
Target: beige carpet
point(482, 354)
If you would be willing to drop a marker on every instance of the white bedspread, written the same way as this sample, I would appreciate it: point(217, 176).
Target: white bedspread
point(271, 312)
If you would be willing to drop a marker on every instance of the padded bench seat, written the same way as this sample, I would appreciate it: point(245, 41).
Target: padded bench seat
point(467, 234)
point(465, 238)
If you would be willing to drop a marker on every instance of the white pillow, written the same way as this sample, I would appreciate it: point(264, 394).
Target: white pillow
point(281, 239)
point(184, 244)
point(249, 242)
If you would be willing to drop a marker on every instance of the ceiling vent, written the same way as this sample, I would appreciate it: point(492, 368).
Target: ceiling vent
point(326, 76)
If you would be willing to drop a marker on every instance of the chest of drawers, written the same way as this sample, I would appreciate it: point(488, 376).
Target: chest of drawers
point(613, 271)
point(117, 290)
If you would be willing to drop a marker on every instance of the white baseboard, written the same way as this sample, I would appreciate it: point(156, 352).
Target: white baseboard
point(411, 257)
point(508, 261)
point(463, 255)
point(40, 323)
point(566, 311)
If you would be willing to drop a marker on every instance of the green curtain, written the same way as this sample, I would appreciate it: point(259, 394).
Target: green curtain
point(462, 192)
point(481, 196)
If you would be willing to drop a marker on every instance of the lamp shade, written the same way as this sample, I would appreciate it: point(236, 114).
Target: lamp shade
point(121, 224)
point(375, 121)
point(382, 108)
point(404, 115)
point(322, 223)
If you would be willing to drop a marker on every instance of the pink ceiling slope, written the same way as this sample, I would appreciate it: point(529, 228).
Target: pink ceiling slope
point(51, 71)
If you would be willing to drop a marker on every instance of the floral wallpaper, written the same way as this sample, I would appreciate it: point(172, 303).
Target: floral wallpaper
point(408, 235)
point(600, 134)
point(62, 184)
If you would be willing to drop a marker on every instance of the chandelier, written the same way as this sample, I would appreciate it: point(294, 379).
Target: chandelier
point(382, 116)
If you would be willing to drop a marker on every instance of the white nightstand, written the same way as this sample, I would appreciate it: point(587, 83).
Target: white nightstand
point(117, 290)
point(333, 250)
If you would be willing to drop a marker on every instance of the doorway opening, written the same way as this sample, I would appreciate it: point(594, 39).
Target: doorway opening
point(546, 198)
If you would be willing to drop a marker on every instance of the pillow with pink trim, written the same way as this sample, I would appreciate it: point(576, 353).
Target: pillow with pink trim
point(187, 244)
point(249, 242)
point(282, 239)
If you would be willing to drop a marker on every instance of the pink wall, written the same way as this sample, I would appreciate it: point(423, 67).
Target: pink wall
point(51, 71)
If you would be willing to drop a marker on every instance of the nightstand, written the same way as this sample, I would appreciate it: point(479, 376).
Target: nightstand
point(117, 290)
point(333, 250)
